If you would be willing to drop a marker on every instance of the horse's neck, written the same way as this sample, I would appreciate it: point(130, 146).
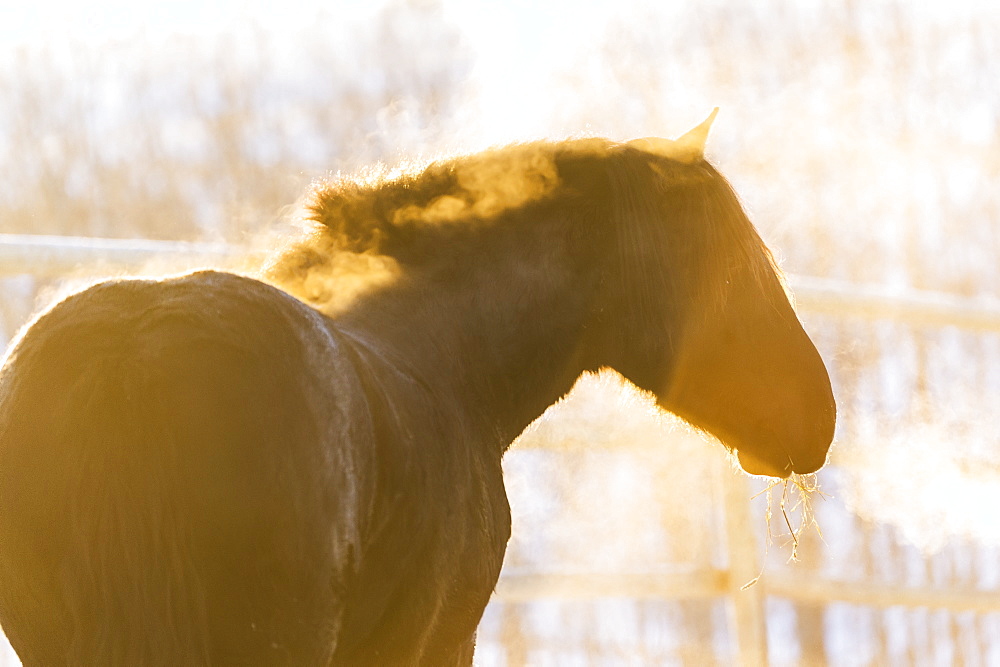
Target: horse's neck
point(501, 343)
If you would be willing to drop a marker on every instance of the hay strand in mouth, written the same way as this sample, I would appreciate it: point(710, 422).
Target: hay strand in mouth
point(797, 494)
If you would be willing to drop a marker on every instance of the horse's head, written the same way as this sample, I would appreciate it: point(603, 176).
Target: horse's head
point(719, 343)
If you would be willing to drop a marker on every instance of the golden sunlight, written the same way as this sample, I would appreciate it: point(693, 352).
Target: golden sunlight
point(861, 137)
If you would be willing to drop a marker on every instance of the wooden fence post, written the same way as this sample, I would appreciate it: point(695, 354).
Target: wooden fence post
point(742, 547)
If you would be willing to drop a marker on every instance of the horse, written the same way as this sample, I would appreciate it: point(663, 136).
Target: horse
point(303, 466)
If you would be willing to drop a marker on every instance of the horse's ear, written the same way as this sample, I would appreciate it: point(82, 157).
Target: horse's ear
point(688, 148)
point(692, 144)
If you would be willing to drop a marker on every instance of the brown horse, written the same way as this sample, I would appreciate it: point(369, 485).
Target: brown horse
point(207, 469)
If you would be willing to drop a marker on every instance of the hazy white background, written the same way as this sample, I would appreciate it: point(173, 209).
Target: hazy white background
point(863, 136)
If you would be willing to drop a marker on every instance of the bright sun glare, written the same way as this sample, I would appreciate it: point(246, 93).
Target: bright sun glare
point(861, 135)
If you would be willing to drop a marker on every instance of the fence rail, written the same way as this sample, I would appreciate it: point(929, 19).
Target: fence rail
point(57, 255)
point(916, 307)
point(701, 583)
point(798, 587)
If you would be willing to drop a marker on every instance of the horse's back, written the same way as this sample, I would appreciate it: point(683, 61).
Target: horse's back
point(174, 481)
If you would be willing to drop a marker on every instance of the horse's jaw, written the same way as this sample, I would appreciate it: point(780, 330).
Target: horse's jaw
point(754, 465)
point(776, 433)
point(772, 406)
point(801, 452)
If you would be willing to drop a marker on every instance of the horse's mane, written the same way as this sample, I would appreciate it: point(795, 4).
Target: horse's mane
point(363, 214)
point(363, 227)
